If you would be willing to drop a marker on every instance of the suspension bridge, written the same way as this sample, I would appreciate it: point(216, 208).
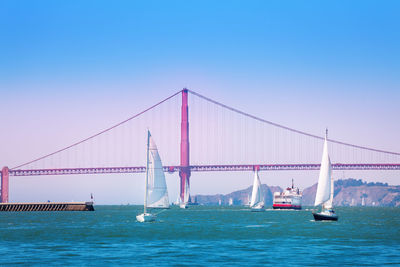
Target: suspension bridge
point(222, 138)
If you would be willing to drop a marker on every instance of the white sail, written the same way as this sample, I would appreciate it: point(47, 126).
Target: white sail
point(329, 203)
point(324, 180)
point(186, 193)
point(157, 196)
point(256, 195)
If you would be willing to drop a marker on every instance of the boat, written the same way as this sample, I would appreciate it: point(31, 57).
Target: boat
point(257, 196)
point(156, 193)
point(325, 188)
point(177, 202)
point(288, 199)
point(186, 197)
point(193, 203)
point(247, 204)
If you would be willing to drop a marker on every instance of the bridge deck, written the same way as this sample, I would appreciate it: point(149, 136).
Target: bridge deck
point(204, 168)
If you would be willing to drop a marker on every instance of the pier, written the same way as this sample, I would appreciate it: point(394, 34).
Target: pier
point(48, 206)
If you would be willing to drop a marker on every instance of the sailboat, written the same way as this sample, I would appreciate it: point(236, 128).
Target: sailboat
point(257, 196)
point(186, 196)
point(248, 201)
point(325, 188)
point(178, 201)
point(156, 193)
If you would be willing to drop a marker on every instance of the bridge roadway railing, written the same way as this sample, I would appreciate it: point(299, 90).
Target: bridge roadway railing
point(203, 168)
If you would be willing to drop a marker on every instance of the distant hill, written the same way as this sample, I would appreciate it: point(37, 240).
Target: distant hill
point(241, 197)
point(348, 192)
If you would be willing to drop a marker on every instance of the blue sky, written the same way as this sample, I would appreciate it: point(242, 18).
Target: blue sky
point(75, 41)
point(81, 66)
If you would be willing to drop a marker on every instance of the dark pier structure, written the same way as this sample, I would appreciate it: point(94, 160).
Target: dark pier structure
point(48, 206)
point(45, 206)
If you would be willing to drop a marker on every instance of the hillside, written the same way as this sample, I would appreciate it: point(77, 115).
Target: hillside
point(241, 197)
point(348, 192)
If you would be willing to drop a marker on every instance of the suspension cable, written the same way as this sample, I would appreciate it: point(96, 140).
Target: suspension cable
point(99, 133)
point(288, 128)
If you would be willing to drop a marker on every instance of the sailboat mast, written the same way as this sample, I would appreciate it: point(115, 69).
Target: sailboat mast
point(332, 187)
point(147, 172)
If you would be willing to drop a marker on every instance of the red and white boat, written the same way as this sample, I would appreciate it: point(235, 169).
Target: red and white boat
point(288, 199)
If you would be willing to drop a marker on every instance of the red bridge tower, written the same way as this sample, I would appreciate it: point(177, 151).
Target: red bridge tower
point(4, 185)
point(184, 171)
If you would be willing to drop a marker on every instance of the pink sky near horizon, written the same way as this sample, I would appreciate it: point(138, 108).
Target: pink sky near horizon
point(67, 123)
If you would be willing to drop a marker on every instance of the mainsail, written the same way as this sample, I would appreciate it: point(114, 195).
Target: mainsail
point(324, 180)
point(329, 203)
point(186, 194)
point(157, 188)
point(256, 195)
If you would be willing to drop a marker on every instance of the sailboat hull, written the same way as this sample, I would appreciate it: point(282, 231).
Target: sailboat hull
point(146, 217)
point(325, 217)
point(257, 209)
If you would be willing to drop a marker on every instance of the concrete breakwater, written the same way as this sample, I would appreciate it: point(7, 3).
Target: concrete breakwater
point(48, 206)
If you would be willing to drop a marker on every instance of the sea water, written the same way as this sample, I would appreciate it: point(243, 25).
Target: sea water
point(200, 236)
